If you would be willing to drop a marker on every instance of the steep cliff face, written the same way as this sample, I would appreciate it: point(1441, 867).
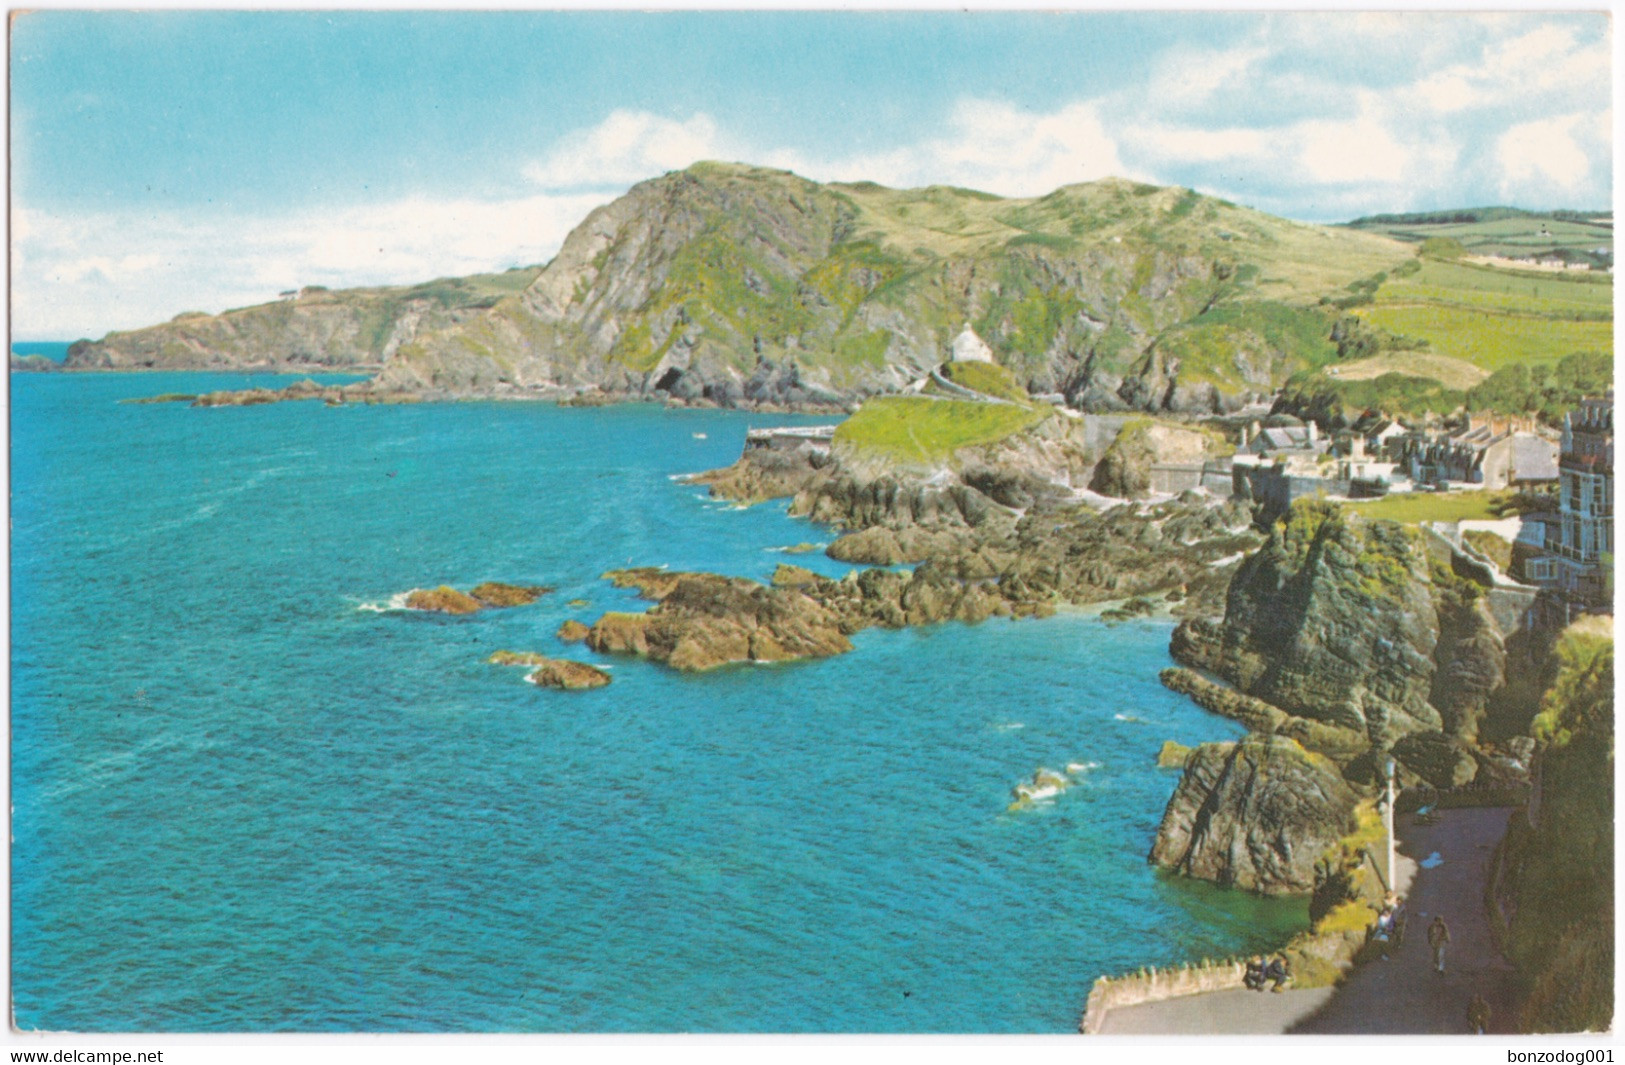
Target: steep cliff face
point(737, 285)
point(1257, 815)
point(1334, 620)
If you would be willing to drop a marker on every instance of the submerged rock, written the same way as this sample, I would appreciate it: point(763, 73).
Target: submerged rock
point(516, 658)
point(1256, 814)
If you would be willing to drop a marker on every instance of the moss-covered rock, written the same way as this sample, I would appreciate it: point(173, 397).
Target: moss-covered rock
point(1334, 620)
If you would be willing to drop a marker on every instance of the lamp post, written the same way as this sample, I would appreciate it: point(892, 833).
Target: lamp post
point(1388, 821)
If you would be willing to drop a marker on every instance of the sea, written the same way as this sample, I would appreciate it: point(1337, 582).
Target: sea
point(250, 794)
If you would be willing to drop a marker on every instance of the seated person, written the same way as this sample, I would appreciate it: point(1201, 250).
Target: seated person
point(1255, 974)
point(1277, 971)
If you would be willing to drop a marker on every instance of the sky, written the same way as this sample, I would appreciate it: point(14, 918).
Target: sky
point(173, 161)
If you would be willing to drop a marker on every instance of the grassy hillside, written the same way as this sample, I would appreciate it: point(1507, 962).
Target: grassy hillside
point(1490, 317)
point(987, 378)
point(922, 430)
point(1444, 332)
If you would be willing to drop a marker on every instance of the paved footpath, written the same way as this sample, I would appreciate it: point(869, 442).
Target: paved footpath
point(1401, 995)
point(1404, 994)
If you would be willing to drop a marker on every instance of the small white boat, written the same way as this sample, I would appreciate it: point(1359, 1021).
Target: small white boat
point(699, 436)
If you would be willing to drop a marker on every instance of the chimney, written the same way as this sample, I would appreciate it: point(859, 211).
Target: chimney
point(1313, 436)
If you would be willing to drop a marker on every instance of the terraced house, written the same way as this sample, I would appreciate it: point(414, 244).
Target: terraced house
point(1493, 453)
point(1578, 566)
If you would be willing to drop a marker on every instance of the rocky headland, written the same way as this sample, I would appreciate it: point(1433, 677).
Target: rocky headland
point(739, 286)
point(999, 528)
point(1342, 643)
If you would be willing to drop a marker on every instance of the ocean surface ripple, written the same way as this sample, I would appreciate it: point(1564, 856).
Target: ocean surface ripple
point(244, 802)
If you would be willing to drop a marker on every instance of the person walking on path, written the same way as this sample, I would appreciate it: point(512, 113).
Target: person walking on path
point(1438, 936)
point(1478, 1014)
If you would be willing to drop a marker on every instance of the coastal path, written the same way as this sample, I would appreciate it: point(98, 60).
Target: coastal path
point(1401, 995)
point(1404, 994)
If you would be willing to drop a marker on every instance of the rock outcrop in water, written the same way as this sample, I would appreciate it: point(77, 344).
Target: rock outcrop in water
point(1257, 815)
point(567, 675)
point(492, 594)
point(364, 392)
point(739, 286)
point(702, 621)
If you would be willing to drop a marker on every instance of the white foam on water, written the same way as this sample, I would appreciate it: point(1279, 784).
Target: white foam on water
point(1075, 768)
point(394, 602)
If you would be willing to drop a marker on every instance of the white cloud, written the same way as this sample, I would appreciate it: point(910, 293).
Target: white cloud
point(985, 144)
point(1362, 150)
point(988, 145)
point(1541, 160)
point(627, 147)
point(145, 268)
point(1171, 143)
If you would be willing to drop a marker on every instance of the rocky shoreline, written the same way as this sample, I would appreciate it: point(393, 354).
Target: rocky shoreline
point(1339, 642)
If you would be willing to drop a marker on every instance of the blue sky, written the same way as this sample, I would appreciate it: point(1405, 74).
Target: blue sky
point(193, 160)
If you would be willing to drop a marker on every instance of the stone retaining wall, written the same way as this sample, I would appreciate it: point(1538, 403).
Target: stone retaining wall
point(1155, 985)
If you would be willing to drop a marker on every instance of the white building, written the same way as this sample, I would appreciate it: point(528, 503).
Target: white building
point(968, 347)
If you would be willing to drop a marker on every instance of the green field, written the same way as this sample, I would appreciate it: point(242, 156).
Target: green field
point(1412, 507)
point(1492, 317)
point(1492, 288)
point(1518, 236)
point(930, 430)
point(1491, 340)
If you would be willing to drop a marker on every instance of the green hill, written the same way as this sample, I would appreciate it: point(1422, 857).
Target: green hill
point(736, 285)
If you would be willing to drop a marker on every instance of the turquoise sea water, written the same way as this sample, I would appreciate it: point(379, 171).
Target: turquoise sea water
point(247, 799)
